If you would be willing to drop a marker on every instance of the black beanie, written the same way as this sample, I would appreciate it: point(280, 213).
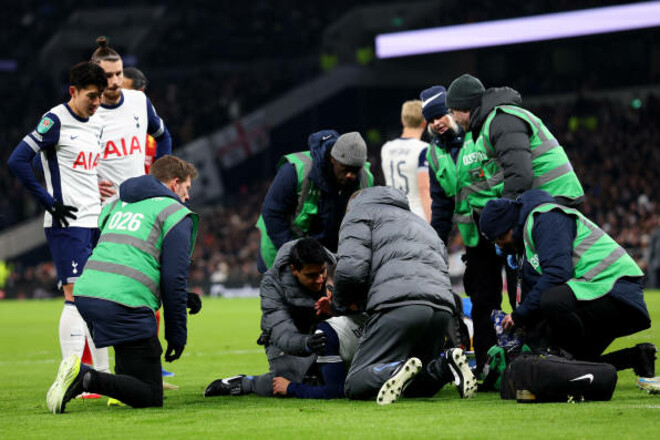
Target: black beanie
point(498, 216)
point(465, 93)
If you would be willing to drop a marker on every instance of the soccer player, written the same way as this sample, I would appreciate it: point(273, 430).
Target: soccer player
point(404, 160)
point(68, 139)
point(142, 258)
point(128, 116)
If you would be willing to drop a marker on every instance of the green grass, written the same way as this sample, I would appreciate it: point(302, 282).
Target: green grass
point(222, 343)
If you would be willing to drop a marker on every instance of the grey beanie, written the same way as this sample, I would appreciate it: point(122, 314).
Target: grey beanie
point(350, 149)
point(465, 93)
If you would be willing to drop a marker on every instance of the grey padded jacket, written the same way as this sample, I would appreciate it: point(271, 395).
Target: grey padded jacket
point(388, 256)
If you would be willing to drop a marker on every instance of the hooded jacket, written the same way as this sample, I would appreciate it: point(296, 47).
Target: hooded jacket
point(389, 257)
point(509, 136)
point(554, 233)
point(287, 308)
point(282, 199)
point(114, 323)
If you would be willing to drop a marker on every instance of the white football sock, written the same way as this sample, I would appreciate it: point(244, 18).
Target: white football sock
point(72, 331)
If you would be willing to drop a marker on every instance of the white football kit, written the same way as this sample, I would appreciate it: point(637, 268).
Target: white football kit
point(70, 147)
point(124, 137)
point(401, 160)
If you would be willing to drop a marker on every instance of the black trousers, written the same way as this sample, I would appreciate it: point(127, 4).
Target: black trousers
point(583, 328)
point(138, 380)
point(483, 284)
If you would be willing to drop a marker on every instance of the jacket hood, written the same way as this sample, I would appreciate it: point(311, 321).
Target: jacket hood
point(380, 195)
point(320, 144)
point(493, 97)
point(144, 187)
point(528, 201)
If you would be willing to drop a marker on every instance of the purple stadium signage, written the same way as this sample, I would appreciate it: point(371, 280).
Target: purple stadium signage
point(519, 30)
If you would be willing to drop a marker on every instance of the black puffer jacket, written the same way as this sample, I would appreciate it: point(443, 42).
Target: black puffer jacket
point(388, 256)
point(509, 135)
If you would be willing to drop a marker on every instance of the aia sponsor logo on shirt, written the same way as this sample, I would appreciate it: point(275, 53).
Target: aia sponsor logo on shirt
point(86, 160)
point(123, 149)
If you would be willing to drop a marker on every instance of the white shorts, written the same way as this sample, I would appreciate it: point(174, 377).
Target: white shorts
point(348, 329)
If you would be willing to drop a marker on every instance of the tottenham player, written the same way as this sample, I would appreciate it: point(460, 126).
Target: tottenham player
point(134, 79)
point(128, 116)
point(404, 160)
point(68, 139)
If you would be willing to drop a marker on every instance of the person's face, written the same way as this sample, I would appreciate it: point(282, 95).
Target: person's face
point(506, 242)
point(344, 175)
point(114, 72)
point(127, 83)
point(462, 118)
point(441, 124)
point(311, 276)
point(85, 101)
point(180, 188)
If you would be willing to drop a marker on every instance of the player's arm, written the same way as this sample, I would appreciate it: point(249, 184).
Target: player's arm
point(156, 128)
point(279, 205)
point(175, 263)
point(277, 321)
point(423, 182)
point(44, 137)
point(510, 138)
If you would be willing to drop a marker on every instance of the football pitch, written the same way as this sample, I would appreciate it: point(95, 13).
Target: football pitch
point(221, 342)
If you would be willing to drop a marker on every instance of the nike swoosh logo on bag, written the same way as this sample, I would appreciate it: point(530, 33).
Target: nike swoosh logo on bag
point(586, 376)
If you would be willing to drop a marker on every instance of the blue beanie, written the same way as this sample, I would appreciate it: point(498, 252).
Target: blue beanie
point(433, 102)
point(498, 216)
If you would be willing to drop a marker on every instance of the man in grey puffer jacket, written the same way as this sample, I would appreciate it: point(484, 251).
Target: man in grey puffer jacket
point(393, 265)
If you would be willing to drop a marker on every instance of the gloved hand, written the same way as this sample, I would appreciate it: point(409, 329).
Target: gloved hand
point(60, 212)
point(194, 303)
point(316, 343)
point(173, 352)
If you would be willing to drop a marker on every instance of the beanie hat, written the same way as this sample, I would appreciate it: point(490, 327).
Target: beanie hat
point(498, 216)
point(465, 93)
point(433, 102)
point(350, 150)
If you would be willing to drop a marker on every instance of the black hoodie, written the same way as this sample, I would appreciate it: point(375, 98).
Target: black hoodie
point(509, 135)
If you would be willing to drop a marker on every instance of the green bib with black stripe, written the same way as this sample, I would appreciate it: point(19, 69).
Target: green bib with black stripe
point(598, 260)
point(480, 177)
point(125, 264)
point(308, 200)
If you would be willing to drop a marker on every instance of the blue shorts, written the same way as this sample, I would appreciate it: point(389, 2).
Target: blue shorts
point(70, 248)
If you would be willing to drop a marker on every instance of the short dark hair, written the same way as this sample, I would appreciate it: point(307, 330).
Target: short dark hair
point(139, 80)
point(86, 74)
point(307, 250)
point(104, 52)
point(171, 167)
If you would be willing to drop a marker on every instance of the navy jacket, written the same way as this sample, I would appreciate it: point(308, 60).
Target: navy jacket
point(442, 206)
point(281, 200)
point(112, 323)
point(554, 233)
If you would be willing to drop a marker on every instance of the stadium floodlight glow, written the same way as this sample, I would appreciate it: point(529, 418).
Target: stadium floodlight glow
point(519, 30)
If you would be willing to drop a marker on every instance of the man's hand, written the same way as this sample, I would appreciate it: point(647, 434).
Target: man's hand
point(507, 322)
point(316, 343)
point(322, 306)
point(194, 303)
point(60, 212)
point(173, 352)
point(280, 385)
point(106, 189)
